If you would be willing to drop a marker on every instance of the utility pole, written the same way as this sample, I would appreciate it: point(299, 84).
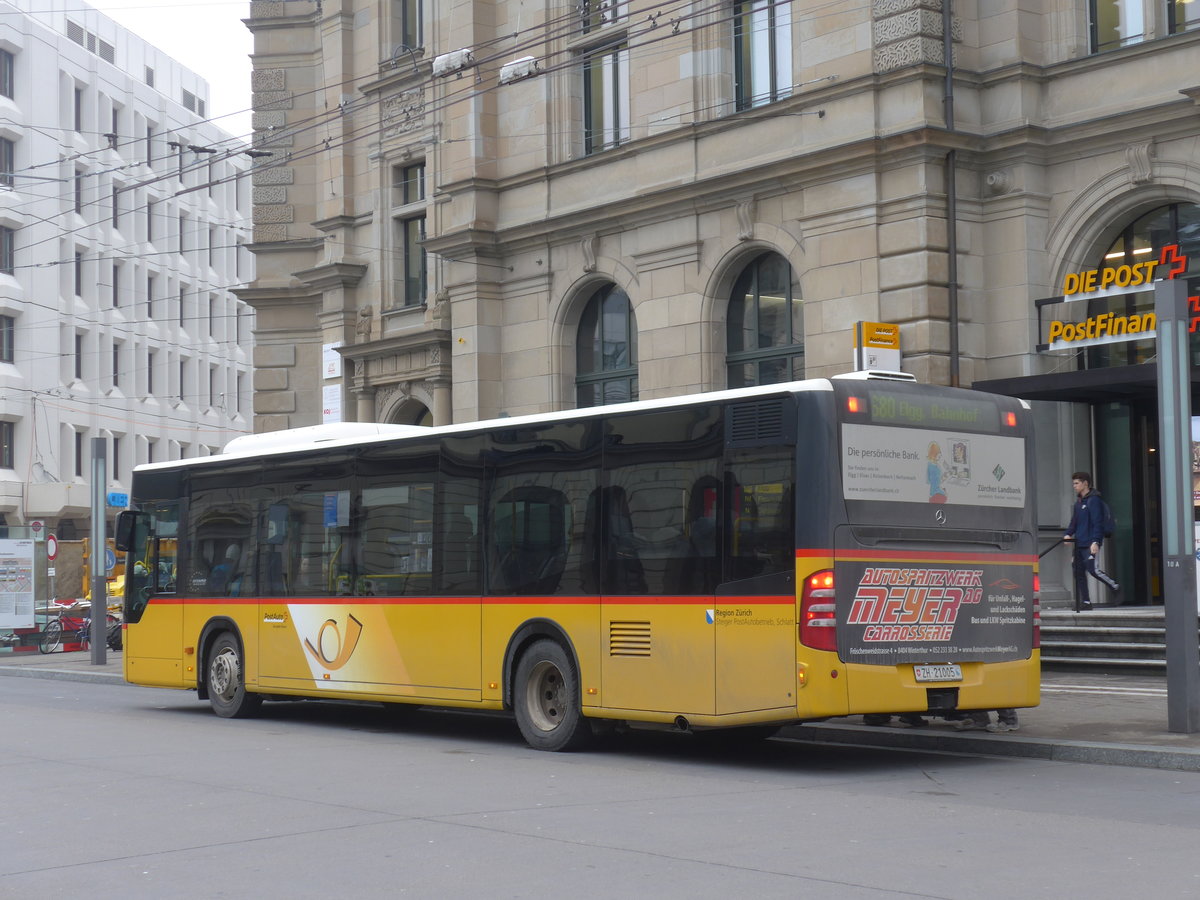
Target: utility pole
point(1178, 516)
point(99, 586)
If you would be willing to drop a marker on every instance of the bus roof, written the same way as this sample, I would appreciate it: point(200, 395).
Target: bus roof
point(349, 434)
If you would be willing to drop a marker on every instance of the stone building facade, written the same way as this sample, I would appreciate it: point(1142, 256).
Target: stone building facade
point(476, 209)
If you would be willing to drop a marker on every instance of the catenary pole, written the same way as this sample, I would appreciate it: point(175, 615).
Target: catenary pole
point(99, 588)
point(1178, 519)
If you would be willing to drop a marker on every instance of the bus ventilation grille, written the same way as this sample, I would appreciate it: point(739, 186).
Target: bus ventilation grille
point(628, 638)
point(760, 422)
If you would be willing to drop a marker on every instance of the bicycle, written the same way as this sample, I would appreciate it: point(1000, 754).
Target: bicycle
point(79, 626)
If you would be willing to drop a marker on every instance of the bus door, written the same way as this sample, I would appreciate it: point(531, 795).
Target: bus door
point(660, 561)
point(756, 606)
point(153, 650)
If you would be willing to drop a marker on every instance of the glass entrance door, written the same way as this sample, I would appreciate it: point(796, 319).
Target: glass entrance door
point(1127, 476)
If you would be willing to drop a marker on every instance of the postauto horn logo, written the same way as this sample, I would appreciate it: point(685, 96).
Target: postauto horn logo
point(332, 650)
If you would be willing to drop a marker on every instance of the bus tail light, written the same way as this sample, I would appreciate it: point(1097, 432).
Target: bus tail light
point(818, 612)
point(1037, 611)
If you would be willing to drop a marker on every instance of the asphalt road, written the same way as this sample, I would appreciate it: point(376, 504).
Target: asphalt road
point(112, 791)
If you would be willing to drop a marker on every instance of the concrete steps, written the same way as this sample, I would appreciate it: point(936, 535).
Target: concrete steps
point(1126, 639)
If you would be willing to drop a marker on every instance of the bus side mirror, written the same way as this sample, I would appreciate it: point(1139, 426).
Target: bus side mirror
point(126, 528)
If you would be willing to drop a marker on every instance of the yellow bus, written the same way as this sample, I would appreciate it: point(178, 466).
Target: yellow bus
point(735, 560)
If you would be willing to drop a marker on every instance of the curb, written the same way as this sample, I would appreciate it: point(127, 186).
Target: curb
point(63, 674)
point(1097, 753)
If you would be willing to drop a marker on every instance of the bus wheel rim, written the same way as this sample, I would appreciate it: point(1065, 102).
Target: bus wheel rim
point(223, 675)
point(547, 696)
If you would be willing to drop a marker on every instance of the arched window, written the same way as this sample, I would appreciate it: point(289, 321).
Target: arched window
point(1142, 241)
point(606, 350)
point(766, 325)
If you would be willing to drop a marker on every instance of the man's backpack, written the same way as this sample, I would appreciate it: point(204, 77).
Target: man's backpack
point(1109, 521)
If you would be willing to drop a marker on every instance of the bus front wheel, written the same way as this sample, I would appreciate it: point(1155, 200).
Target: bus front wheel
point(227, 681)
point(546, 699)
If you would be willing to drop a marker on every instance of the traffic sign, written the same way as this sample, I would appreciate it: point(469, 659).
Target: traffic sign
point(118, 500)
point(110, 559)
point(51, 546)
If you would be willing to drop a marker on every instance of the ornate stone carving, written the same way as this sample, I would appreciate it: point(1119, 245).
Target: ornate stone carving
point(403, 112)
point(999, 182)
point(909, 32)
point(588, 247)
point(438, 313)
point(362, 328)
point(745, 219)
point(1140, 159)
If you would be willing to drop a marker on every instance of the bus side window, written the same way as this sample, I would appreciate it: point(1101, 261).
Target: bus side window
point(763, 500)
point(528, 541)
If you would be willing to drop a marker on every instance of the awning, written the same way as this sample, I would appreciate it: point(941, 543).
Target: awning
point(1085, 385)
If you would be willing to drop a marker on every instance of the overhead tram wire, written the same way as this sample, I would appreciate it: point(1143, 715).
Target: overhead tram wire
point(323, 118)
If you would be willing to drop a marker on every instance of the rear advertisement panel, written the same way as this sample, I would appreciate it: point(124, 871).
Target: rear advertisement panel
point(966, 609)
point(922, 465)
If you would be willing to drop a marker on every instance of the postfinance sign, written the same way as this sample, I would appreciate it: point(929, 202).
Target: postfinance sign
point(1095, 284)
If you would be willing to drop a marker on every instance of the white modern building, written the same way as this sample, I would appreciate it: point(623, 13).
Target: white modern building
point(122, 220)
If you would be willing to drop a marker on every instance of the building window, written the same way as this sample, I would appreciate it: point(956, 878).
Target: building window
point(411, 237)
point(406, 23)
point(8, 251)
point(606, 350)
point(150, 451)
point(765, 327)
point(8, 330)
point(182, 304)
point(182, 233)
point(605, 99)
point(8, 439)
point(78, 454)
point(78, 110)
point(150, 145)
point(1182, 16)
point(78, 274)
point(116, 365)
point(182, 376)
point(762, 51)
point(79, 357)
point(408, 184)
point(149, 76)
point(212, 314)
point(116, 206)
point(1116, 23)
point(116, 285)
point(149, 373)
point(149, 220)
point(115, 463)
point(7, 161)
point(79, 191)
point(6, 74)
point(237, 395)
point(149, 296)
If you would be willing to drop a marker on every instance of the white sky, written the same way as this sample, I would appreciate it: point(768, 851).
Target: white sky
point(208, 37)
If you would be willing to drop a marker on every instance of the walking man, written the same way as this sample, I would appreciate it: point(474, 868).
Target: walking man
point(1087, 531)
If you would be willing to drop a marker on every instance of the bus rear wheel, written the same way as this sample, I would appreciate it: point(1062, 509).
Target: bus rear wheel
point(546, 699)
point(227, 681)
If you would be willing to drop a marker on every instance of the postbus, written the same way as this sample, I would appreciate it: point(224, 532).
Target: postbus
point(741, 560)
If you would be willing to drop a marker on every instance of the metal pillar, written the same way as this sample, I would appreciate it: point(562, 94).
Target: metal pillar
point(1175, 471)
point(99, 585)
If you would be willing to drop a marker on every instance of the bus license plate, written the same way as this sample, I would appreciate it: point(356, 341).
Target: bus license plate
point(938, 673)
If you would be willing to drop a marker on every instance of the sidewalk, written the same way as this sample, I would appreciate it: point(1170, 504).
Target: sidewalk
point(1106, 719)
